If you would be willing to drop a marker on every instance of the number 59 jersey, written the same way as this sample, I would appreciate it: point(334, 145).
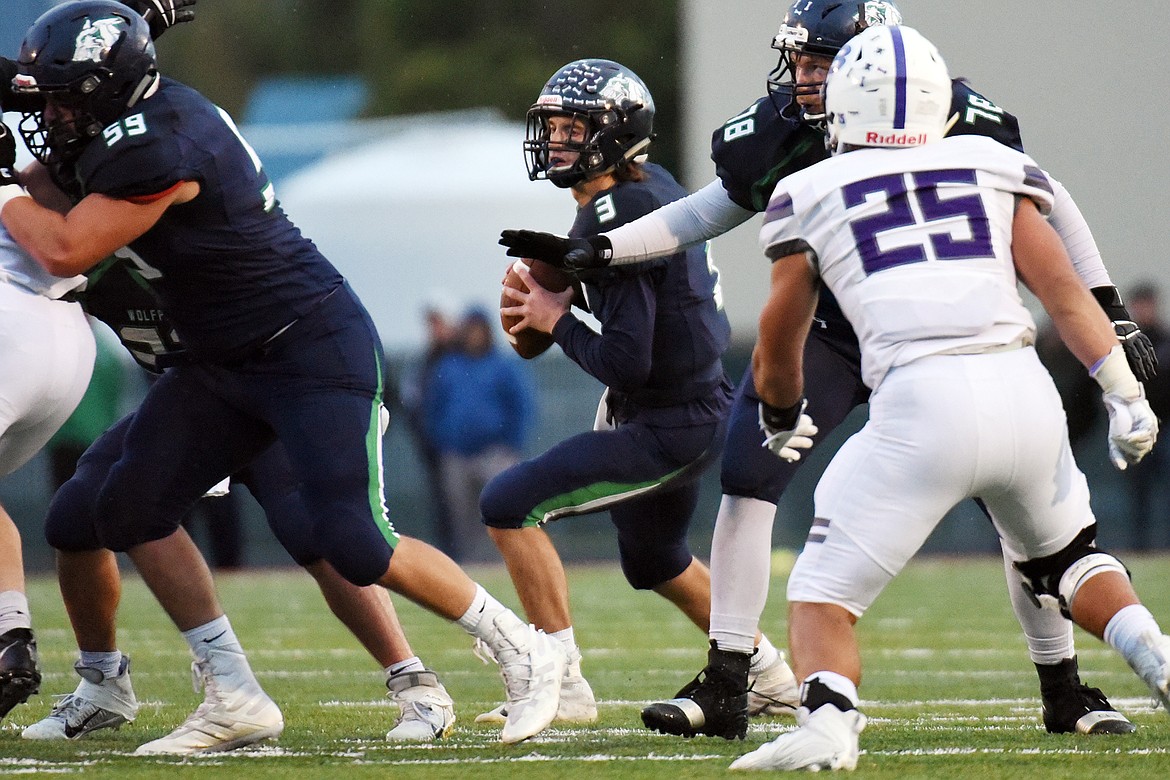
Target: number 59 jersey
point(914, 243)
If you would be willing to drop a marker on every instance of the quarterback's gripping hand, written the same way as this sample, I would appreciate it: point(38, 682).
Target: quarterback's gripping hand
point(1139, 350)
point(571, 254)
point(161, 14)
point(1133, 429)
point(787, 431)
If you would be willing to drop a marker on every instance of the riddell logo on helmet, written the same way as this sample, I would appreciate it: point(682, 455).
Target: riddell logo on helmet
point(894, 139)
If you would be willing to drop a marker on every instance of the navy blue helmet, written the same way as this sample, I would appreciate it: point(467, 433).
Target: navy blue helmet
point(617, 113)
point(819, 27)
point(92, 59)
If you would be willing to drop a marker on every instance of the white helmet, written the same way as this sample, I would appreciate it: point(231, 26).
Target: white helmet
point(888, 86)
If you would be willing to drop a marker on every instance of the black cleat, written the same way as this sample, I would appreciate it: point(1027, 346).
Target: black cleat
point(1071, 707)
point(19, 675)
point(715, 703)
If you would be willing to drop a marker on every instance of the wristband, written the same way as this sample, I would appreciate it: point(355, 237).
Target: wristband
point(1114, 375)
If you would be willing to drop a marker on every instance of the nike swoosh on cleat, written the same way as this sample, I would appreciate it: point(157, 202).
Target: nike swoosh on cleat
point(72, 731)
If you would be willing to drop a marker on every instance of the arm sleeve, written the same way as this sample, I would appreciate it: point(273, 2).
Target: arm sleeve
point(1078, 240)
point(619, 356)
point(702, 215)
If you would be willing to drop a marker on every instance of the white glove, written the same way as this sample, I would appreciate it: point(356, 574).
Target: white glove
point(783, 438)
point(1133, 429)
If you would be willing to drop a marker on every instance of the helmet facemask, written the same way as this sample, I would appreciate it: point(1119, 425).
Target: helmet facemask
point(598, 146)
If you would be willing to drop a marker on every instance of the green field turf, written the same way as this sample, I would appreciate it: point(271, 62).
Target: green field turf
point(948, 687)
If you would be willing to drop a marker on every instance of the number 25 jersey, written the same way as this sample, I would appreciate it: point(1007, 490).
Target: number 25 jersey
point(914, 243)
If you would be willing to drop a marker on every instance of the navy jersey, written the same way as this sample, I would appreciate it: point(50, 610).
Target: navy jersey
point(756, 148)
point(120, 295)
point(663, 325)
point(233, 269)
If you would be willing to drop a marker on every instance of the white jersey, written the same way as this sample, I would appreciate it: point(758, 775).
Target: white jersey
point(16, 267)
point(914, 243)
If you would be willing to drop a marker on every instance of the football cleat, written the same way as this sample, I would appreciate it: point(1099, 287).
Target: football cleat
point(827, 738)
point(1152, 663)
point(235, 712)
point(577, 703)
point(426, 711)
point(532, 664)
point(19, 675)
point(715, 703)
point(1071, 707)
point(99, 702)
point(773, 690)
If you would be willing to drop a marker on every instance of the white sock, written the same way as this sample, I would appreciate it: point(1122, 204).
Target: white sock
point(741, 567)
point(1126, 628)
point(483, 604)
point(765, 655)
point(566, 638)
point(14, 611)
point(106, 663)
point(216, 634)
point(412, 664)
point(1048, 633)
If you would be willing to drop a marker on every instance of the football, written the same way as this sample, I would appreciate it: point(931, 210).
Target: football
point(529, 343)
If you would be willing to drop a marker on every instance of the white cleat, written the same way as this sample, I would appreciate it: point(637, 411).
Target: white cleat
point(577, 703)
point(826, 739)
point(235, 712)
point(1152, 664)
point(532, 664)
point(99, 702)
point(773, 690)
point(426, 711)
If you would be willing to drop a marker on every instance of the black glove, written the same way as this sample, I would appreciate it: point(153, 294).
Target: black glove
point(7, 156)
point(1139, 350)
point(161, 14)
point(571, 254)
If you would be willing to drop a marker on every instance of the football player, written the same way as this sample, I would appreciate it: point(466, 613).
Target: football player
point(278, 347)
point(119, 295)
point(921, 240)
point(663, 331)
point(48, 353)
point(781, 133)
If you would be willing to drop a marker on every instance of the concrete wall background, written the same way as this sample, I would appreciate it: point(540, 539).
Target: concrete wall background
point(1086, 79)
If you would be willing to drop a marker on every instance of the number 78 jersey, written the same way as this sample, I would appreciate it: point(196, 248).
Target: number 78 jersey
point(914, 243)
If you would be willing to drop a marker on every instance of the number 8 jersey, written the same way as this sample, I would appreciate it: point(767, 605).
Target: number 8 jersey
point(914, 243)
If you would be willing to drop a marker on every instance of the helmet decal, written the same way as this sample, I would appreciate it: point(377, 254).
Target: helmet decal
point(97, 38)
point(624, 88)
point(880, 12)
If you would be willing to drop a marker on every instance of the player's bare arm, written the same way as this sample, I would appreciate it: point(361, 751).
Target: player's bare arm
point(777, 360)
point(72, 243)
point(1045, 268)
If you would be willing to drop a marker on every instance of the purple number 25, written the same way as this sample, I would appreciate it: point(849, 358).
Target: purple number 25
point(930, 206)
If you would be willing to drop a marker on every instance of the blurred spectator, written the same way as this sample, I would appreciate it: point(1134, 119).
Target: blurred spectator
point(1147, 478)
point(441, 317)
point(478, 408)
point(100, 407)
